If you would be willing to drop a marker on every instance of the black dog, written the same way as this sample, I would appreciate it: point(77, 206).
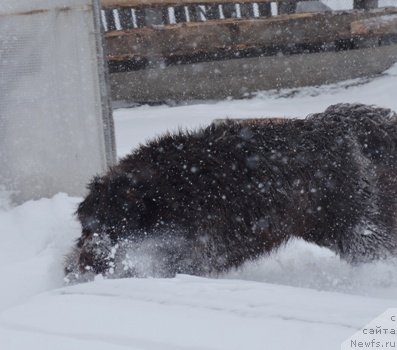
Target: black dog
point(206, 201)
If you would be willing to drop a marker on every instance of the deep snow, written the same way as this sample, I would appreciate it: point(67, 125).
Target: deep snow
point(301, 297)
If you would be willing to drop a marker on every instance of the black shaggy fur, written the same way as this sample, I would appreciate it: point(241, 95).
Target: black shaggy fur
point(206, 201)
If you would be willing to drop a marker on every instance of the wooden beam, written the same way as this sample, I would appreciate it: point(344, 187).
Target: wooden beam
point(237, 78)
point(375, 26)
point(157, 3)
point(187, 39)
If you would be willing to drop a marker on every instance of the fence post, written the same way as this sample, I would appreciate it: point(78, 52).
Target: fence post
point(366, 4)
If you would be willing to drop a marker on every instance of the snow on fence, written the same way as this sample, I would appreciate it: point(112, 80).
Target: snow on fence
point(56, 126)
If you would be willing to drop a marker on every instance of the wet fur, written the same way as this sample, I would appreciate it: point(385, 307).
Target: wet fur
point(206, 201)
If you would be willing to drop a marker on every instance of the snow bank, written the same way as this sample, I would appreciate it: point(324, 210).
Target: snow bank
point(34, 237)
point(186, 313)
point(306, 265)
point(348, 4)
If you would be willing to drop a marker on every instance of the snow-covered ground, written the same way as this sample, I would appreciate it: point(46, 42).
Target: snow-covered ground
point(301, 297)
point(134, 126)
point(348, 4)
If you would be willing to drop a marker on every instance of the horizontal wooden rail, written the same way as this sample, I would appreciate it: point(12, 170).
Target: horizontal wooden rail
point(139, 16)
point(194, 38)
point(128, 14)
point(163, 3)
point(375, 26)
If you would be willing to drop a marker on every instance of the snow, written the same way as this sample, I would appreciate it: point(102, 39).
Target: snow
point(34, 237)
point(149, 121)
point(186, 313)
point(300, 297)
point(348, 4)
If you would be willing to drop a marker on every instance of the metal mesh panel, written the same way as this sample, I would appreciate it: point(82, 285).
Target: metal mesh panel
point(56, 128)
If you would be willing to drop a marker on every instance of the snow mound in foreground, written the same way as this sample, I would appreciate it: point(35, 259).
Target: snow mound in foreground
point(34, 238)
point(186, 313)
point(306, 265)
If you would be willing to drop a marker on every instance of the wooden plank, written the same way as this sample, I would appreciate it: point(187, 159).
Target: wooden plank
point(156, 3)
point(375, 26)
point(187, 39)
point(240, 77)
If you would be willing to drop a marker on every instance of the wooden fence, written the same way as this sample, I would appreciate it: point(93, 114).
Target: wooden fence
point(197, 49)
point(128, 14)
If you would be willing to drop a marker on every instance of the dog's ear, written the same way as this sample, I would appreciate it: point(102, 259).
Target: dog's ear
point(87, 209)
